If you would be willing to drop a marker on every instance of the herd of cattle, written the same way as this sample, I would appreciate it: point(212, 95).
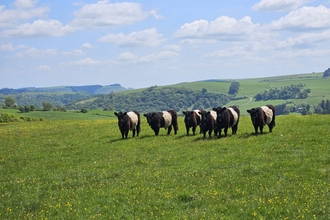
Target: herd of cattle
point(209, 121)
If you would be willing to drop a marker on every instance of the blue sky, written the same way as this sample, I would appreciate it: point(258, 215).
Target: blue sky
point(140, 44)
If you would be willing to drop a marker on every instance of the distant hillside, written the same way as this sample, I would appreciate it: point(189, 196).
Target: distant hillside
point(284, 91)
point(92, 89)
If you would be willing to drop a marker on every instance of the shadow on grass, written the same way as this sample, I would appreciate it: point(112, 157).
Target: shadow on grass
point(252, 134)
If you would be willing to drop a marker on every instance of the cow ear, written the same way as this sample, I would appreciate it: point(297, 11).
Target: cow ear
point(145, 115)
point(116, 114)
point(214, 109)
point(249, 111)
point(125, 113)
point(224, 108)
point(184, 112)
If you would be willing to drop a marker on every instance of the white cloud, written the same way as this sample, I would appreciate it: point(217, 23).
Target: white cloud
point(223, 28)
point(39, 28)
point(9, 17)
point(132, 58)
point(25, 3)
point(305, 40)
point(302, 54)
point(33, 52)
point(279, 5)
point(43, 68)
point(7, 47)
point(74, 53)
point(304, 18)
point(105, 14)
point(127, 56)
point(173, 47)
point(148, 37)
point(87, 45)
point(84, 62)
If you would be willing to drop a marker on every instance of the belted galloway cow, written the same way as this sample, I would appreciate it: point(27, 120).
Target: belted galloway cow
point(165, 119)
point(264, 115)
point(226, 118)
point(192, 119)
point(128, 121)
point(208, 123)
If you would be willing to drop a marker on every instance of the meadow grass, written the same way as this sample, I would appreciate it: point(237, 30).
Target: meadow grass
point(82, 169)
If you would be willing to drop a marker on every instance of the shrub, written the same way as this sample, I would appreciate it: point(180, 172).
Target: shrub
point(83, 110)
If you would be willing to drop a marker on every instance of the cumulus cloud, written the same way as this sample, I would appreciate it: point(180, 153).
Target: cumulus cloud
point(74, 53)
point(279, 5)
point(33, 52)
point(39, 28)
point(43, 68)
point(148, 37)
point(6, 47)
point(87, 45)
point(305, 40)
point(84, 62)
point(173, 47)
point(9, 17)
point(25, 3)
point(132, 58)
point(105, 14)
point(305, 18)
point(223, 28)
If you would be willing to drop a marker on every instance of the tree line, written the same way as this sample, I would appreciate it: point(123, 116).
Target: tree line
point(304, 108)
point(286, 92)
point(155, 99)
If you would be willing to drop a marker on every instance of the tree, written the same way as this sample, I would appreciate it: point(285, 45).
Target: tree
point(234, 87)
point(47, 106)
point(10, 101)
point(326, 73)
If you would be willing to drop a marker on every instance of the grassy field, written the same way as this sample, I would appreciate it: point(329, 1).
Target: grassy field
point(81, 169)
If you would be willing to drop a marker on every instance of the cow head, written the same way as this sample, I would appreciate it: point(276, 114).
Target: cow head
point(189, 116)
point(120, 116)
point(219, 111)
point(149, 116)
point(204, 118)
point(253, 113)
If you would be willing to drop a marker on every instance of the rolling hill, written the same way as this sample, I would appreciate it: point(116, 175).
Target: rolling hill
point(96, 96)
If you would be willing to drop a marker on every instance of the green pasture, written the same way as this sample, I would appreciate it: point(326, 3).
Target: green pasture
point(68, 115)
point(82, 169)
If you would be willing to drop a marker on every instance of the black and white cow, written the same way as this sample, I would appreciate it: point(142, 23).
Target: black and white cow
point(165, 119)
point(128, 121)
point(208, 123)
point(226, 118)
point(192, 119)
point(264, 115)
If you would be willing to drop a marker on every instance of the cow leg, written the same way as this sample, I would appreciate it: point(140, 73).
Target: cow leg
point(156, 130)
point(256, 129)
point(210, 133)
point(261, 129)
point(126, 134)
point(234, 129)
point(270, 126)
point(169, 130)
point(193, 130)
point(187, 129)
point(133, 131)
point(216, 132)
point(219, 133)
point(226, 130)
point(138, 130)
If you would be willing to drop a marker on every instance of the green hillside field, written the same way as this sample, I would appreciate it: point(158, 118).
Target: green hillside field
point(250, 87)
point(80, 168)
